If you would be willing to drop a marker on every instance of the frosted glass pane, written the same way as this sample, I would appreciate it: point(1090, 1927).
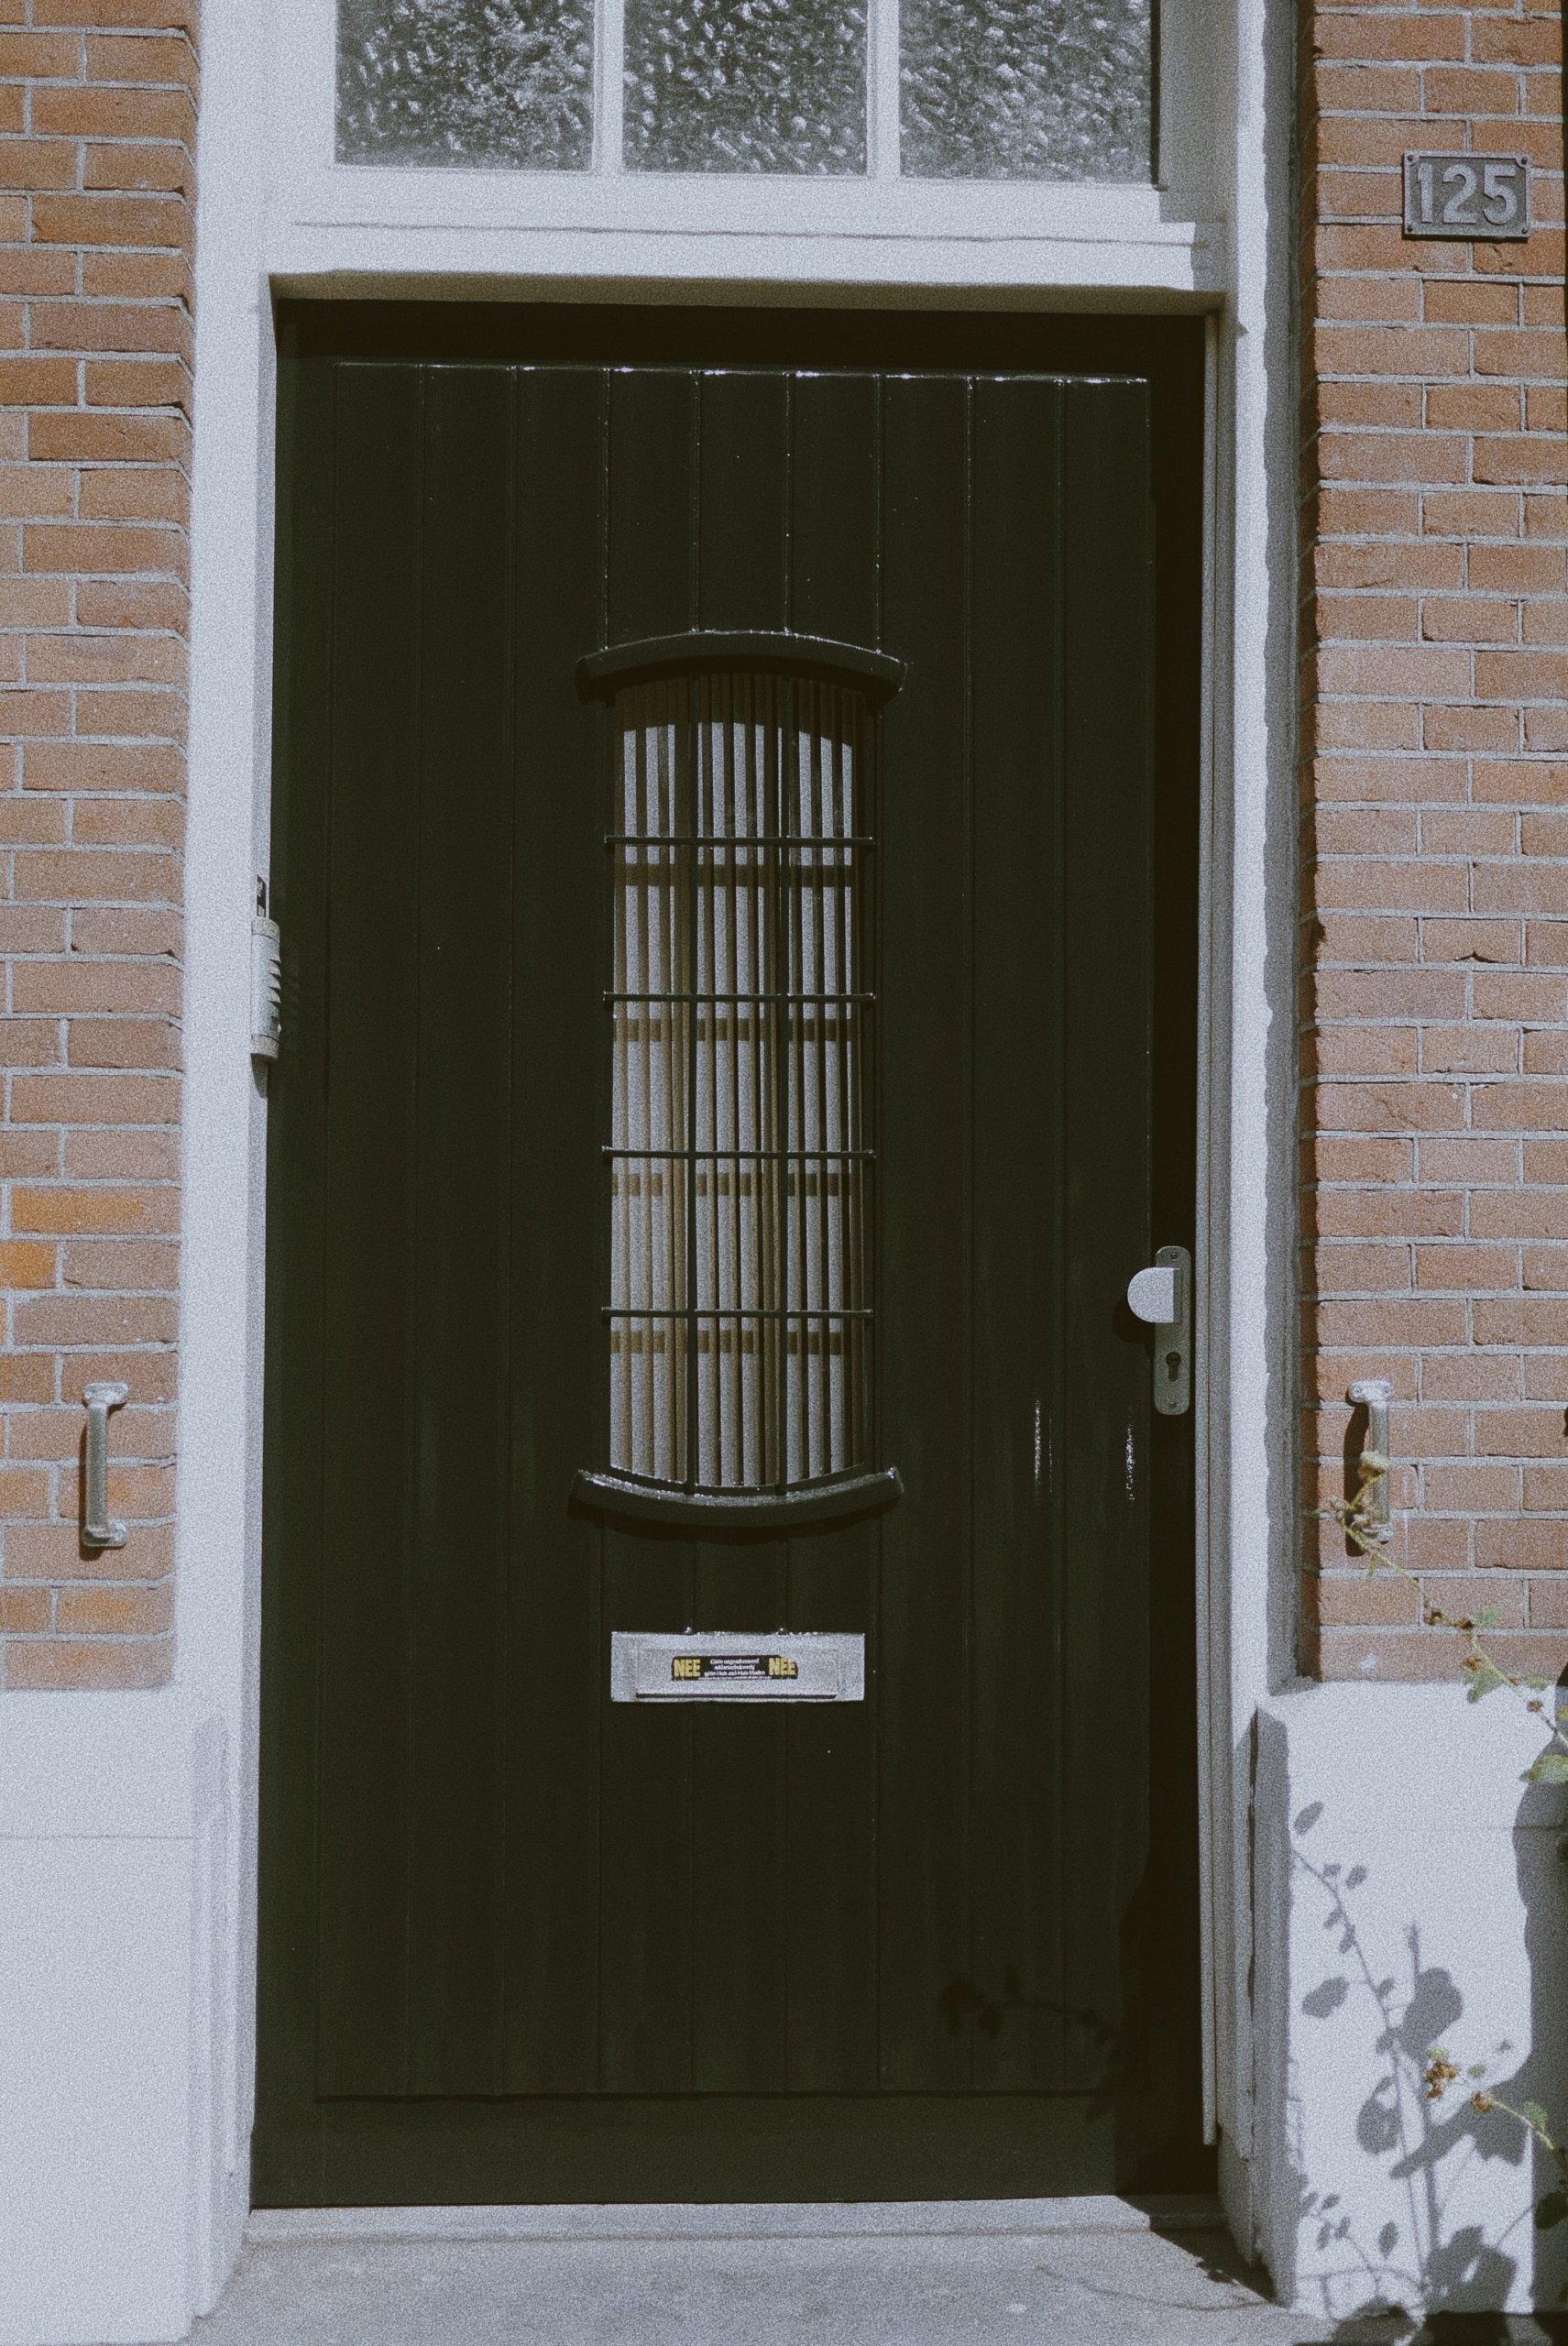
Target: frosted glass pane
point(1027, 89)
point(500, 81)
point(746, 85)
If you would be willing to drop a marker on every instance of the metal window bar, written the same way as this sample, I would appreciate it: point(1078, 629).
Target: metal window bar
point(739, 1318)
point(683, 1315)
point(721, 1155)
point(760, 995)
point(829, 850)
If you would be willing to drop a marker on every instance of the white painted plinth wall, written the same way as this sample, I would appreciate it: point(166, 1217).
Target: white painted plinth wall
point(114, 2182)
point(1410, 1891)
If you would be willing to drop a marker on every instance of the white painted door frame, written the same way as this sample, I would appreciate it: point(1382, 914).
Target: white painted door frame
point(277, 217)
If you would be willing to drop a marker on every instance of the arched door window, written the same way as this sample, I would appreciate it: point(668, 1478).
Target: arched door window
point(739, 1318)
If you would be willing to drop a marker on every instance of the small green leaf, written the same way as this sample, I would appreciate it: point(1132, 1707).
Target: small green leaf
point(1535, 2115)
point(1476, 2069)
point(1552, 1768)
point(1484, 1681)
point(1488, 1619)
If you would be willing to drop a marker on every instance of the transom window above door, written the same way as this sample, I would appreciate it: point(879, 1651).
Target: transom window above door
point(1040, 90)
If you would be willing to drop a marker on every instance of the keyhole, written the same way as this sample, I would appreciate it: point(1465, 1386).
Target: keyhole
point(1173, 1365)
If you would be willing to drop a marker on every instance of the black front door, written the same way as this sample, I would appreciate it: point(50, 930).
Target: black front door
point(735, 822)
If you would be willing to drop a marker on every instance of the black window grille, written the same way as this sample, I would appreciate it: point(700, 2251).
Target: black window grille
point(738, 1324)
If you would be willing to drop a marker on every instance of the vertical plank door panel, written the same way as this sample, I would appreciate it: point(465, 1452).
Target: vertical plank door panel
point(372, 1105)
point(1107, 751)
point(739, 1886)
point(1022, 1901)
point(556, 1405)
point(743, 497)
point(461, 1266)
point(925, 906)
point(645, 1962)
point(830, 1847)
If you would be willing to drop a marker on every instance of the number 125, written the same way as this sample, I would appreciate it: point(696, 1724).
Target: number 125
point(1495, 184)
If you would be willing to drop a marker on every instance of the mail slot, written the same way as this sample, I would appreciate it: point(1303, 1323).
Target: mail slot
point(737, 1666)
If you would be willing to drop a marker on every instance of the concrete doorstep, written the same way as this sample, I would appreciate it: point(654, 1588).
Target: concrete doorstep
point(1100, 2273)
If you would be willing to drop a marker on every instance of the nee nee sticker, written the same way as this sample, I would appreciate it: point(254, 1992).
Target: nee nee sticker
point(733, 1665)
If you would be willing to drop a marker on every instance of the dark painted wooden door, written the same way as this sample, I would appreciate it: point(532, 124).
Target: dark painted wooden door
point(520, 1942)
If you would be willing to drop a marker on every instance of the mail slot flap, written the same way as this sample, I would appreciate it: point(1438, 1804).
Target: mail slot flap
point(737, 1666)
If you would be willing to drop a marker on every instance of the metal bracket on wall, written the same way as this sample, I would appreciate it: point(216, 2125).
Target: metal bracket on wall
point(1163, 1296)
point(97, 1531)
point(1374, 1394)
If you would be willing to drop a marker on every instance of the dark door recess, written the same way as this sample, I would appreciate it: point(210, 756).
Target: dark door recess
point(735, 849)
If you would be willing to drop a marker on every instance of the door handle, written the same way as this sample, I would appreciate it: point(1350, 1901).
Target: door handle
point(1163, 1296)
point(97, 1531)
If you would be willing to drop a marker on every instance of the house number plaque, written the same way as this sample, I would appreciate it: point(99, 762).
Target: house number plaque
point(1478, 197)
point(737, 1666)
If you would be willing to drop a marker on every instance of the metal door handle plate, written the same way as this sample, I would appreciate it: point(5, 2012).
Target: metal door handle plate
point(1162, 1295)
point(97, 1531)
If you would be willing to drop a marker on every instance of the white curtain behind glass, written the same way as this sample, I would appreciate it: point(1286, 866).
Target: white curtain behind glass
point(738, 1304)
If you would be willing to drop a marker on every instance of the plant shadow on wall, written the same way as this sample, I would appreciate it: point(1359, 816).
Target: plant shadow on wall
point(1400, 2024)
point(1444, 2091)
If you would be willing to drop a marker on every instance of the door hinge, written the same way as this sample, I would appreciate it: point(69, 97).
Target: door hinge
point(266, 980)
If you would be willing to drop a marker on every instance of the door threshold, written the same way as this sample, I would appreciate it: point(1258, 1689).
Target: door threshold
point(1091, 2212)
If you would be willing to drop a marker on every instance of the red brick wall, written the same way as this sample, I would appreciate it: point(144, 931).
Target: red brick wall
point(1434, 810)
point(97, 135)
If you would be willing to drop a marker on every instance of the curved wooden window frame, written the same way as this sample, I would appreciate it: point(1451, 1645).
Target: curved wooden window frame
point(820, 657)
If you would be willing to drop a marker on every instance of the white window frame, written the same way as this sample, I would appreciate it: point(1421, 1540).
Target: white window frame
point(1163, 239)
